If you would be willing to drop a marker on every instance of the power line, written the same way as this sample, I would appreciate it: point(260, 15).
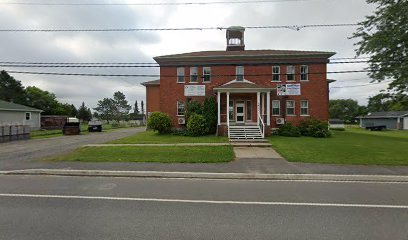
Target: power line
point(361, 85)
point(128, 65)
point(291, 27)
point(158, 75)
point(147, 3)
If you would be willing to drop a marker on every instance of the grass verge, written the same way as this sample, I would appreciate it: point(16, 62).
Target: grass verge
point(153, 137)
point(353, 146)
point(199, 154)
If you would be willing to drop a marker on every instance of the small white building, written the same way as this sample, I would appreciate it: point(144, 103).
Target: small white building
point(17, 114)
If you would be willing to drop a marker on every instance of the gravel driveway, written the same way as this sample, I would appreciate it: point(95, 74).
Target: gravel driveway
point(21, 154)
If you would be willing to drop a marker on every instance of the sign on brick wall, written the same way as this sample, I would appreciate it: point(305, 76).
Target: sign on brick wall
point(194, 90)
point(288, 89)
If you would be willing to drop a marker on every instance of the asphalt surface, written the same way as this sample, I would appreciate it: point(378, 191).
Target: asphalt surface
point(50, 207)
point(25, 154)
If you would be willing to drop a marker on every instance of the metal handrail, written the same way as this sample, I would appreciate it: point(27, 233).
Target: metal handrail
point(262, 125)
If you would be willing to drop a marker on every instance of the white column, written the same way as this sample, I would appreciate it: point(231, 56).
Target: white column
point(263, 104)
point(228, 109)
point(258, 106)
point(219, 107)
point(268, 108)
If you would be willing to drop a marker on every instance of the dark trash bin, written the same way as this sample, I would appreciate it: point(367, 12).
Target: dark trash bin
point(95, 126)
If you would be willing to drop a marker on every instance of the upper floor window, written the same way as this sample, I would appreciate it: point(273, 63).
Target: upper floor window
point(304, 71)
point(240, 73)
point(207, 74)
point(193, 74)
point(304, 107)
point(180, 74)
point(276, 73)
point(180, 108)
point(290, 73)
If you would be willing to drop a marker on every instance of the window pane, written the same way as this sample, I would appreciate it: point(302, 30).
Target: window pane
point(193, 74)
point(180, 74)
point(275, 107)
point(304, 72)
point(207, 74)
point(290, 104)
point(303, 104)
point(180, 108)
point(290, 71)
point(231, 110)
point(240, 73)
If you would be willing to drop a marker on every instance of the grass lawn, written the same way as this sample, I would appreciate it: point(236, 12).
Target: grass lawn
point(353, 146)
point(57, 133)
point(197, 154)
point(154, 137)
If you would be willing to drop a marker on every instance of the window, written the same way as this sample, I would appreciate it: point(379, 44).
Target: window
point(275, 73)
point(193, 74)
point(304, 107)
point(304, 71)
point(290, 107)
point(290, 73)
point(180, 75)
point(207, 74)
point(248, 110)
point(275, 107)
point(231, 110)
point(28, 116)
point(180, 108)
point(240, 73)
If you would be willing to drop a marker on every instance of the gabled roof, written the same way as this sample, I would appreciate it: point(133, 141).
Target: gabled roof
point(154, 82)
point(242, 86)
point(9, 106)
point(393, 114)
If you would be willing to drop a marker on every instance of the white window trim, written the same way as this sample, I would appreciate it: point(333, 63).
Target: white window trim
point(206, 74)
point(294, 73)
point(243, 73)
point(184, 77)
point(191, 74)
point(25, 116)
point(307, 101)
point(177, 108)
point(280, 114)
point(278, 74)
point(294, 108)
point(307, 73)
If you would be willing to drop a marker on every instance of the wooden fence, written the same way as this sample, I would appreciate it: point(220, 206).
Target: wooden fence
point(14, 132)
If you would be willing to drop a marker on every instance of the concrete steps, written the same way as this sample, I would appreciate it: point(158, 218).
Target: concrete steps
point(244, 132)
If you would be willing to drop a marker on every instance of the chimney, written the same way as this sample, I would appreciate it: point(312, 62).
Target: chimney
point(235, 38)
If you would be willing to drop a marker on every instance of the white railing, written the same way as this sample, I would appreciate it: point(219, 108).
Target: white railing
point(261, 125)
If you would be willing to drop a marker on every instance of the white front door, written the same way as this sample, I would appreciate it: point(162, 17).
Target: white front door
point(240, 109)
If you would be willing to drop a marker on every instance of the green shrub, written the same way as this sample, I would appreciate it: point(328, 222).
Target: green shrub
point(196, 125)
point(313, 127)
point(288, 130)
point(115, 125)
point(210, 113)
point(193, 107)
point(160, 122)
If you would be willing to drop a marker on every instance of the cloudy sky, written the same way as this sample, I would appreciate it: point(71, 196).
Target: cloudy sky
point(142, 46)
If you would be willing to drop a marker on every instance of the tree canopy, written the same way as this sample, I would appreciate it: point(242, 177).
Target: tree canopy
point(345, 109)
point(384, 37)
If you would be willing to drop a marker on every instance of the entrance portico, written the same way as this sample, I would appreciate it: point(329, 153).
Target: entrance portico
point(236, 107)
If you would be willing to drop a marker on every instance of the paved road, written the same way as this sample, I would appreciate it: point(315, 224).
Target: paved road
point(49, 207)
point(21, 154)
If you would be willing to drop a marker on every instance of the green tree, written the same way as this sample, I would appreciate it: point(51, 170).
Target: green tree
point(84, 113)
point(106, 109)
point(383, 102)
point(11, 89)
point(142, 110)
point(384, 37)
point(122, 107)
point(44, 100)
point(210, 113)
point(345, 109)
point(193, 107)
point(136, 109)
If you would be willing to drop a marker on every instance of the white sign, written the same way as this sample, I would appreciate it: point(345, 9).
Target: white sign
point(194, 90)
point(288, 89)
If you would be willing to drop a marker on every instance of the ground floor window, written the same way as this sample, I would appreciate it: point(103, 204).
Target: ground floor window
point(276, 107)
point(290, 107)
point(249, 110)
point(304, 107)
point(180, 108)
point(231, 110)
point(28, 116)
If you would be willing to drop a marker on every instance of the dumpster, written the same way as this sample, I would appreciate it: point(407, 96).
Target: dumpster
point(95, 126)
point(71, 127)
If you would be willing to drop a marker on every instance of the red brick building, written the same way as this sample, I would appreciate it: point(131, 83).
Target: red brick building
point(263, 88)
